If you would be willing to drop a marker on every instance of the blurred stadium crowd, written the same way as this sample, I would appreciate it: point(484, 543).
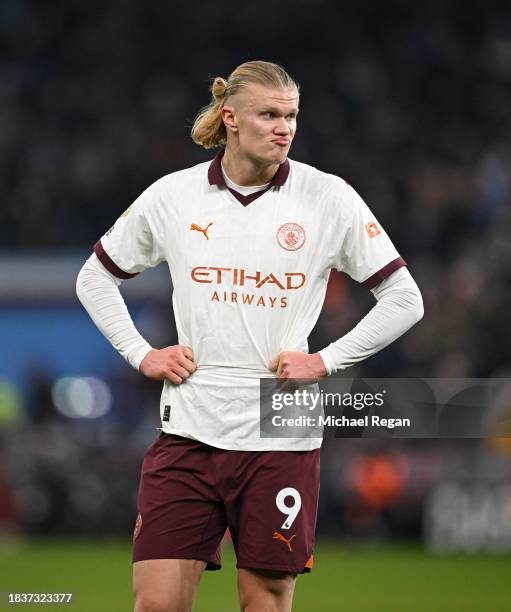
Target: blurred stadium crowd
point(410, 104)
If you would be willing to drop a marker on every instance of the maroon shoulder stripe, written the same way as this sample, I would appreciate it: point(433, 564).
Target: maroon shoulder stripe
point(110, 265)
point(385, 272)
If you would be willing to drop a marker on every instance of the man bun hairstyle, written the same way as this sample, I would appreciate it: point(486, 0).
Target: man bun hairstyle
point(218, 88)
point(208, 128)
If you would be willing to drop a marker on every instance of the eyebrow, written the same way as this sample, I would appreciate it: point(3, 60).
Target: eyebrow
point(273, 109)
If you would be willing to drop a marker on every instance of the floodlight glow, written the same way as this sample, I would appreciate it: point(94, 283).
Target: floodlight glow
point(84, 397)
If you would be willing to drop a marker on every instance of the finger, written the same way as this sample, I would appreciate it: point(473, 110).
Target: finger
point(281, 384)
point(174, 378)
point(272, 366)
point(281, 369)
point(187, 363)
point(276, 365)
point(292, 383)
point(188, 353)
point(286, 385)
point(180, 371)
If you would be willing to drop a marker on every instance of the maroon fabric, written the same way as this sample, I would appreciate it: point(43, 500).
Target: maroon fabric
point(191, 492)
point(110, 265)
point(246, 199)
point(216, 177)
point(384, 273)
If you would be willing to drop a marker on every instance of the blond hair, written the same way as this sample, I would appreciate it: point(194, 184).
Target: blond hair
point(208, 128)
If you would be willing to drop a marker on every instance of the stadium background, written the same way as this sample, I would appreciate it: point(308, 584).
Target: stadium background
point(410, 104)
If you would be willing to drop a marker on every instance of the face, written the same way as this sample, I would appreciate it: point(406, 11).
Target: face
point(263, 122)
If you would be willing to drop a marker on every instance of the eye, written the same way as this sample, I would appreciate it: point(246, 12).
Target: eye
point(268, 114)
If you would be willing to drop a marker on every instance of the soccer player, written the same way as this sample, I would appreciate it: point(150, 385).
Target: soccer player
point(250, 238)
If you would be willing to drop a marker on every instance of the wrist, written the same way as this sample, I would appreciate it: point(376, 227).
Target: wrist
point(326, 361)
point(136, 356)
point(320, 364)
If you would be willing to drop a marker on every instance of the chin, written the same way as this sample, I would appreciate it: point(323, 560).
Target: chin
point(279, 157)
point(272, 157)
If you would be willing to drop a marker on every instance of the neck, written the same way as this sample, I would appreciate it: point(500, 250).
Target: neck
point(245, 171)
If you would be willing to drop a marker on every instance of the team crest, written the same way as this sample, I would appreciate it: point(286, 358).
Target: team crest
point(372, 229)
point(291, 236)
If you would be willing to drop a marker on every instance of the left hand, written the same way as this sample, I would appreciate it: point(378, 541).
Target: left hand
point(294, 364)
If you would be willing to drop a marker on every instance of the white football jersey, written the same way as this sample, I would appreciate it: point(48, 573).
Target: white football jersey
point(249, 275)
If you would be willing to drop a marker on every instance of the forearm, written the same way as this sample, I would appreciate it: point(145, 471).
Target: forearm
point(398, 308)
point(98, 291)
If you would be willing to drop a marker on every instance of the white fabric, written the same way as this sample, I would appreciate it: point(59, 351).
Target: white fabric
point(243, 291)
point(399, 306)
point(240, 188)
point(98, 291)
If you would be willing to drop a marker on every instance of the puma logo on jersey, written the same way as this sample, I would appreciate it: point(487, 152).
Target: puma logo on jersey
point(279, 536)
point(196, 227)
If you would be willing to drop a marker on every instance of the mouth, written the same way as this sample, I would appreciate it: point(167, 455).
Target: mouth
point(282, 142)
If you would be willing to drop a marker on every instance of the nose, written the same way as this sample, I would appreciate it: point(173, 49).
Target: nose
point(282, 127)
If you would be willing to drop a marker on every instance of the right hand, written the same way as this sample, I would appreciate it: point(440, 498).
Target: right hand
point(173, 362)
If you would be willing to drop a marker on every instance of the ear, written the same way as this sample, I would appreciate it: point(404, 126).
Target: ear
point(229, 118)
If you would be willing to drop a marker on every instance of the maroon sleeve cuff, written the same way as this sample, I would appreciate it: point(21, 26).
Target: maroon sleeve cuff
point(385, 272)
point(111, 266)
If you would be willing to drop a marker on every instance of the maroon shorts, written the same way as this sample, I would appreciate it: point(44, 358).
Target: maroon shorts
point(191, 492)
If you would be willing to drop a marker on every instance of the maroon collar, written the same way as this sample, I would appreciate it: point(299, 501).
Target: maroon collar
point(216, 177)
